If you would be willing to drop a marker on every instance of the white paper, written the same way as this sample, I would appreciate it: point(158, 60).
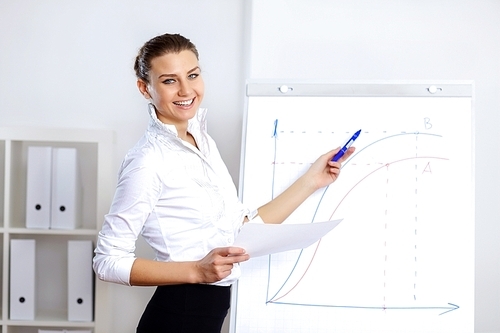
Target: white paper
point(259, 239)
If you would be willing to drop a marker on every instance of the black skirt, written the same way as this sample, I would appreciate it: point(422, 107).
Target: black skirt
point(186, 308)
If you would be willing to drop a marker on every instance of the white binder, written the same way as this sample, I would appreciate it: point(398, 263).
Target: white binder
point(80, 280)
point(66, 189)
point(38, 187)
point(22, 279)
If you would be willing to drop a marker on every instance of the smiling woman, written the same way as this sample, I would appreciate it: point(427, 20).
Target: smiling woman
point(170, 77)
point(175, 191)
point(175, 88)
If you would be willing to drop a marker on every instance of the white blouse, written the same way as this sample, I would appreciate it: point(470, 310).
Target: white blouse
point(181, 199)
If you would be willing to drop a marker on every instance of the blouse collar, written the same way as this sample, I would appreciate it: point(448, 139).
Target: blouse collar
point(196, 124)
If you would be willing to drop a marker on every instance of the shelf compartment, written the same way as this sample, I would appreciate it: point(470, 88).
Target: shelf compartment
point(87, 161)
point(51, 281)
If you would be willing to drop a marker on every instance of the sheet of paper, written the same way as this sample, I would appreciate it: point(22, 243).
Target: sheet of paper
point(259, 239)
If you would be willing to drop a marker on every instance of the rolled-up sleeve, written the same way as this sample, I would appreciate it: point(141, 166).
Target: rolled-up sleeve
point(113, 259)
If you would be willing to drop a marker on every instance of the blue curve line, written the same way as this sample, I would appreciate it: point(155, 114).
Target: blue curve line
point(284, 283)
point(270, 300)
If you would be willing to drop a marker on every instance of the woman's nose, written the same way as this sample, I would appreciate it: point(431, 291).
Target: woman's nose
point(184, 88)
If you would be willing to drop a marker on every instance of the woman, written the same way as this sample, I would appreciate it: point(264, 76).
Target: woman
point(175, 191)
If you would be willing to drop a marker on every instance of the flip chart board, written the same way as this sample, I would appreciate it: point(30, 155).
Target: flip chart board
point(402, 260)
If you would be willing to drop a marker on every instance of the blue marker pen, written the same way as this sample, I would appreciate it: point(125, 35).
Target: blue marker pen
point(346, 146)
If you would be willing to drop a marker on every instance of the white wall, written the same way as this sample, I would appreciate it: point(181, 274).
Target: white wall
point(342, 41)
point(70, 64)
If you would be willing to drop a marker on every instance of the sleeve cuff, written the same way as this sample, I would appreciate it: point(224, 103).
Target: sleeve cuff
point(252, 214)
point(113, 259)
point(253, 217)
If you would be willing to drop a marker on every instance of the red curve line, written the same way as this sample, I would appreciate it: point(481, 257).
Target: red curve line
point(352, 188)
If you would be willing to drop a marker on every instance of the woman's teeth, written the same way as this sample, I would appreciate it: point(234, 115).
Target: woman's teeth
point(184, 103)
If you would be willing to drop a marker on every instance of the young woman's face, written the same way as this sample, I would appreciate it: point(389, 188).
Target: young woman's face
point(176, 87)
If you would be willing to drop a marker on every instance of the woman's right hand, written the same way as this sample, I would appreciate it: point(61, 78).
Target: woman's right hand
point(218, 263)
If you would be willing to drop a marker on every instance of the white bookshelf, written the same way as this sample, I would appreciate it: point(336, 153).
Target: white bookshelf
point(95, 148)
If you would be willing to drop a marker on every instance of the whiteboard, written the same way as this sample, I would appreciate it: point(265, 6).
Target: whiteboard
point(402, 260)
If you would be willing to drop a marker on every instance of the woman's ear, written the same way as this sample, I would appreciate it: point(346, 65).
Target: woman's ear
point(143, 88)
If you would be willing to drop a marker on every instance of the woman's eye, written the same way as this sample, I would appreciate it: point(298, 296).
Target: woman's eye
point(169, 81)
point(194, 75)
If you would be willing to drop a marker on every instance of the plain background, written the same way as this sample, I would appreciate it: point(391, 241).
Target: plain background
point(68, 64)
